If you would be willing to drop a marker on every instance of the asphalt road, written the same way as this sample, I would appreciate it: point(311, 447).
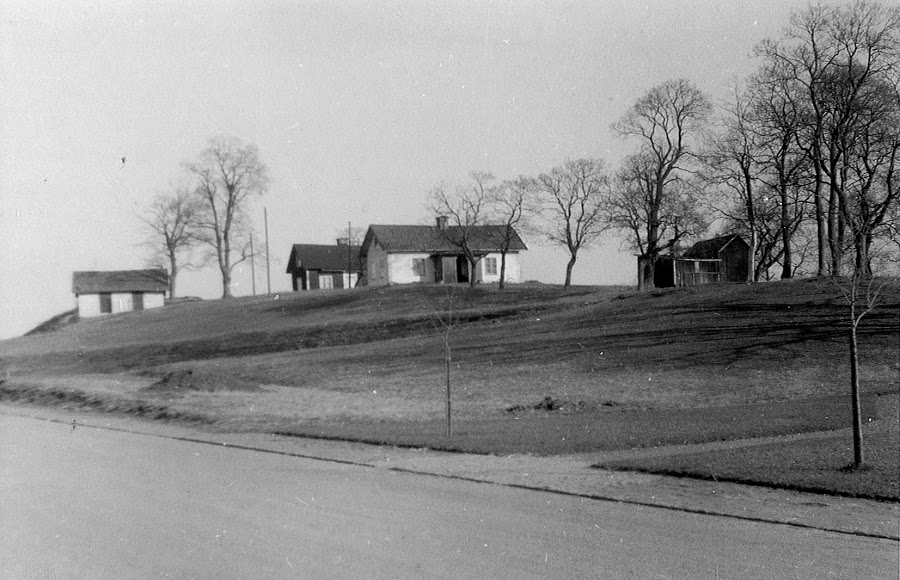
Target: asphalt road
point(94, 503)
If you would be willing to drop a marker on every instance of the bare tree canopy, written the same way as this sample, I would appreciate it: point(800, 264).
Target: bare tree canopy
point(839, 65)
point(228, 174)
point(465, 208)
point(512, 204)
point(574, 196)
point(652, 187)
point(170, 232)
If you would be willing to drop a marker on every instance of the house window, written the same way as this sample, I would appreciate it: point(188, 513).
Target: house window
point(326, 282)
point(418, 267)
point(105, 302)
point(490, 266)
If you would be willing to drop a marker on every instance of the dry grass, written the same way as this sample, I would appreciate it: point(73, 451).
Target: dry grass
point(663, 367)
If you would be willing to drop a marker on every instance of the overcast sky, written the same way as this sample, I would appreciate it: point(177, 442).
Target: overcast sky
point(358, 109)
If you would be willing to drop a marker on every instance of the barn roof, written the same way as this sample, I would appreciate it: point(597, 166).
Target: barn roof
point(434, 239)
point(709, 249)
point(328, 258)
point(155, 280)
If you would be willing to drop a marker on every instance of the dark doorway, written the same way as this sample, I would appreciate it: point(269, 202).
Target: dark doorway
point(105, 302)
point(137, 300)
point(462, 270)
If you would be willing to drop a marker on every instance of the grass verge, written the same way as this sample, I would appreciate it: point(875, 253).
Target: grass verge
point(815, 465)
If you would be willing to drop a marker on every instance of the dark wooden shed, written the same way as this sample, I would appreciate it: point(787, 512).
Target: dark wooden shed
point(720, 259)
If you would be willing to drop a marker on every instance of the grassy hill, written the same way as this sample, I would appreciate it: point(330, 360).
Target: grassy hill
point(535, 368)
point(682, 347)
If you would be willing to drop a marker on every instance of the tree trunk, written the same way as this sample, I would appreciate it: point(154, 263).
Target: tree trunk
point(173, 274)
point(787, 267)
point(569, 267)
point(501, 285)
point(858, 457)
point(448, 358)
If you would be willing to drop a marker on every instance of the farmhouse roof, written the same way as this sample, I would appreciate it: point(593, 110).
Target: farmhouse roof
point(710, 249)
point(155, 280)
point(435, 239)
point(329, 258)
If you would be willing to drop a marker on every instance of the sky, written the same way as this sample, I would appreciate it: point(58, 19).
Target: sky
point(359, 109)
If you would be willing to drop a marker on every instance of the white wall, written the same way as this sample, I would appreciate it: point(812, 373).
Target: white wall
point(121, 302)
point(154, 300)
point(513, 272)
point(401, 270)
point(89, 304)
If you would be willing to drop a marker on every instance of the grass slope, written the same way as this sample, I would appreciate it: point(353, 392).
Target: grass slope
point(627, 369)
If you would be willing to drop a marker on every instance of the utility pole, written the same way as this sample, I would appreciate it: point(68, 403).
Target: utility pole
point(349, 254)
point(268, 276)
point(252, 264)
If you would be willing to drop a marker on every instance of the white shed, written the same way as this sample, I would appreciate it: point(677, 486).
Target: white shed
point(115, 291)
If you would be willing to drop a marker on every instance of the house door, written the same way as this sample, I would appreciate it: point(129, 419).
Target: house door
point(462, 270)
point(137, 300)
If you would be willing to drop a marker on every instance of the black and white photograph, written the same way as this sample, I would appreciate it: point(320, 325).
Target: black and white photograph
point(475, 289)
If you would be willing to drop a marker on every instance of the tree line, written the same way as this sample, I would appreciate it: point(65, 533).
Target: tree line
point(802, 161)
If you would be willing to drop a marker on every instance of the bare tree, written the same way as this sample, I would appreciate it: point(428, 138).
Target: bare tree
point(863, 293)
point(731, 165)
point(228, 175)
point(573, 197)
point(170, 234)
point(664, 121)
point(836, 56)
point(652, 222)
point(466, 209)
point(511, 203)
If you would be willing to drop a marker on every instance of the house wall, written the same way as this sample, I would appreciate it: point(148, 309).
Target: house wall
point(513, 273)
point(402, 270)
point(736, 258)
point(89, 304)
point(376, 266)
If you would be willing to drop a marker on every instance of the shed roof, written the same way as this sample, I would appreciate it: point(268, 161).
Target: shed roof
point(329, 258)
point(709, 249)
point(93, 282)
point(404, 238)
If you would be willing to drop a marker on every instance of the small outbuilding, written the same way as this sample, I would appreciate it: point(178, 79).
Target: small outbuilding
point(110, 292)
point(720, 259)
point(323, 267)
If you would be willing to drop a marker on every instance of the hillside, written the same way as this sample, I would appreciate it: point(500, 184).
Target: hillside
point(535, 369)
point(679, 347)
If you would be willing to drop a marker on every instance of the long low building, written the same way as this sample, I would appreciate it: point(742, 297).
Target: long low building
point(109, 292)
point(407, 254)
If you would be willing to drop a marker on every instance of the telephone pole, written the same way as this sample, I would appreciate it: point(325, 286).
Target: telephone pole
point(268, 276)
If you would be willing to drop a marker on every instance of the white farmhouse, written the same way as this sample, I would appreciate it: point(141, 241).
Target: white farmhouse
point(119, 291)
point(433, 254)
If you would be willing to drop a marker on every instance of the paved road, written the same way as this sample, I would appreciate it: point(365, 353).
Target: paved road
point(92, 503)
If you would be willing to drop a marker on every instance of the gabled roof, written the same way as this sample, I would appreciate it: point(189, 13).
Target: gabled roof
point(331, 258)
point(437, 240)
point(156, 280)
point(710, 249)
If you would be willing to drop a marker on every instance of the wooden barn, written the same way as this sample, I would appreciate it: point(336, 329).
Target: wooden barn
point(115, 291)
point(721, 259)
point(323, 267)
